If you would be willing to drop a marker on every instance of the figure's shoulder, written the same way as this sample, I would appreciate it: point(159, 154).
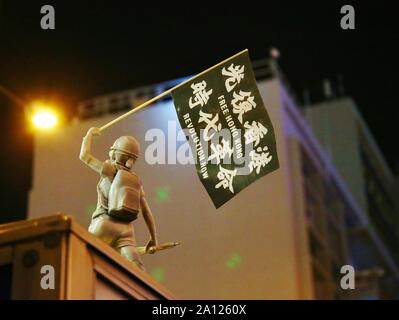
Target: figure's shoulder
point(134, 173)
point(108, 169)
point(136, 176)
point(130, 173)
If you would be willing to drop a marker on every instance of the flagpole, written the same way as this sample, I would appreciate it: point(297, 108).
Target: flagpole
point(147, 103)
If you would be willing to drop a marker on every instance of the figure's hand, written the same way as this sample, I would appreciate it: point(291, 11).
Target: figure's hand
point(94, 131)
point(151, 243)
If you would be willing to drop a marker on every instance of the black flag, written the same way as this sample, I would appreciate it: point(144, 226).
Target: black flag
point(228, 128)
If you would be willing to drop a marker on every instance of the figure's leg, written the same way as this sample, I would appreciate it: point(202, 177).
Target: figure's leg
point(126, 245)
point(130, 253)
point(102, 229)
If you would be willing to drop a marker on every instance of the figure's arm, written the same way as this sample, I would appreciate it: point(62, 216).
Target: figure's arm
point(150, 222)
point(85, 151)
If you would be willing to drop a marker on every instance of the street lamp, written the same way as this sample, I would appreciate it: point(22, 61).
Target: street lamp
point(44, 119)
point(43, 116)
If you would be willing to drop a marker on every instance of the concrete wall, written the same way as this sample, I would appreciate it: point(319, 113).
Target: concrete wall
point(247, 249)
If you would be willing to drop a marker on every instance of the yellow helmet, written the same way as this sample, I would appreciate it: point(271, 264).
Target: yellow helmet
point(127, 145)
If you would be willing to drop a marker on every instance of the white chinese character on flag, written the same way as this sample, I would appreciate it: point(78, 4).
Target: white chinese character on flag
point(201, 96)
point(211, 124)
point(226, 176)
point(259, 159)
point(242, 103)
point(220, 151)
point(234, 74)
point(254, 132)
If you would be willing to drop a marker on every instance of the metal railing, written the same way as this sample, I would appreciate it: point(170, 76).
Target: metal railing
point(124, 100)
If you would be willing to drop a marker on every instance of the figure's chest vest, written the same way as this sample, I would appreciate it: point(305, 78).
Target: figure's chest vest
point(103, 187)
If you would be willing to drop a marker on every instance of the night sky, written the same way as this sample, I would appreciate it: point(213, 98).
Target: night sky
point(101, 47)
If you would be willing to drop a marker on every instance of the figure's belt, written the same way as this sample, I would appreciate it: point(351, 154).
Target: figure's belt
point(123, 214)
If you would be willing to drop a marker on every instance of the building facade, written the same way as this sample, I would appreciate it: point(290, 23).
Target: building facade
point(344, 134)
point(286, 236)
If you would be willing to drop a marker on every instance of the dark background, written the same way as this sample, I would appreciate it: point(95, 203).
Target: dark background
point(101, 47)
